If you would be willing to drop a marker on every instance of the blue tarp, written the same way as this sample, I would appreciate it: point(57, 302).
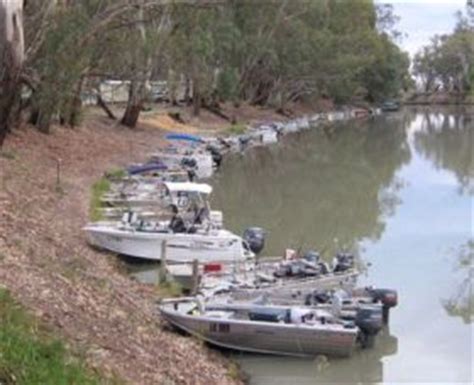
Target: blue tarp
point(186, 137)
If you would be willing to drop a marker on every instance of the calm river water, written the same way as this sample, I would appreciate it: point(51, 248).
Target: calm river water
point(397, 189)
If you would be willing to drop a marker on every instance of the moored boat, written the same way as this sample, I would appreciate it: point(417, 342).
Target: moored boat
point(280, 330)
point(284, 280)
point(142, 241)
point(390, 106)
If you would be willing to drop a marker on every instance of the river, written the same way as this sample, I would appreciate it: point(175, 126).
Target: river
point(396, 189)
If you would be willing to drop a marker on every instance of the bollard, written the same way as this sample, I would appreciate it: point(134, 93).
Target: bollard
point(195, 287)
point(162, 271)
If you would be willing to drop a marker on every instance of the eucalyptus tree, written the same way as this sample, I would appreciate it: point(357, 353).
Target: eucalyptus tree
point(147, 42)
point(265, 53)
point(11, 60)
point(448, 61)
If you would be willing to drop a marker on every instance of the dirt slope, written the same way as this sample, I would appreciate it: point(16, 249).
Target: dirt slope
point(46, 264)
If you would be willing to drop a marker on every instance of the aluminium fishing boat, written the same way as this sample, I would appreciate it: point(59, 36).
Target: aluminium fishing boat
point(279, 330)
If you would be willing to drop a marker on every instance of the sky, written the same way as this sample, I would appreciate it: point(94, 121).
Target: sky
point(422, 19)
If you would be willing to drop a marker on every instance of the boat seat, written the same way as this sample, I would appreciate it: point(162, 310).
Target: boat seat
point(129, 217)
point(219, 314)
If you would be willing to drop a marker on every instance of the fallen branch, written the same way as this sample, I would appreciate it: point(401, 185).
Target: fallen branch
point(101, 103)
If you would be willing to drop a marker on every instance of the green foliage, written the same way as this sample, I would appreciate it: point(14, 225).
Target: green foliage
point(10, 155)
point(118, 173)
point(30, 357)
point(169, 289)
point(278, 52)
point(448, 61)
point(237, 129)
point(98, 190)
point(234, 371)
point(61, 61)
point(267, 53)
point(228, 84)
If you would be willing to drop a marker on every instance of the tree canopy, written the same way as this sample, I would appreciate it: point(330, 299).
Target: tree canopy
point(267, 53)
point(448, 61)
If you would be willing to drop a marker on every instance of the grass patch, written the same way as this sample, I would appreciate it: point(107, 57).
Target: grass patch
point(235, 372)
point(7, 154)
point(30, 356)
point(98, 190)
point(237, 129)
point(118, 173)
point(169, 289)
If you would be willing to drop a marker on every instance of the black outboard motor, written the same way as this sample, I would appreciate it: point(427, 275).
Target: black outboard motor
point(277, 129)
point(189, 162)
point(312, 256)
point(317, 298)
point(191, 175)
point(255, 238)
point(369, 321)
point(216, 155)
point(244, 141)
point(387, 297)
point(344, 262)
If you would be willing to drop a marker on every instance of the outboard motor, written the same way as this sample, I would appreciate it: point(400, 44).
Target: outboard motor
point(369, 321)
point(244, 141)
point(344, 262)
point(191, 175)
point(312, 256)
point(255, 238)
point(216, 155)
point(324, 268)
point(317, 298)
point(189, 162)
point(388, 298)
point(277, 128)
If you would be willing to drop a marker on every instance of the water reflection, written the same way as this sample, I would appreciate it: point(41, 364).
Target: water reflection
point(365, 367)
point(447, 139)
point(401, 184)
point(461, 303)
point(318, 186)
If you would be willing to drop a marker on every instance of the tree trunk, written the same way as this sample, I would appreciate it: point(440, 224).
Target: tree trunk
point(187, 91)
point(134, 104)
point(43, 122)
point(101, 103)
point(74, 117)
point(11, 60)
point(196, 98)
point(173, 84)
point(136, 95)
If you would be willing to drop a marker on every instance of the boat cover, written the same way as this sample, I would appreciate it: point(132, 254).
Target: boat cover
point(185, 137)
point(142, 168)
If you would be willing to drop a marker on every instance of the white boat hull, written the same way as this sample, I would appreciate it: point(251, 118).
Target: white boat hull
point(218, 245)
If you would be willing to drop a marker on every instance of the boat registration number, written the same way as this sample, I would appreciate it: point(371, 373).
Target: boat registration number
point(219, 328)
point(113, 238)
